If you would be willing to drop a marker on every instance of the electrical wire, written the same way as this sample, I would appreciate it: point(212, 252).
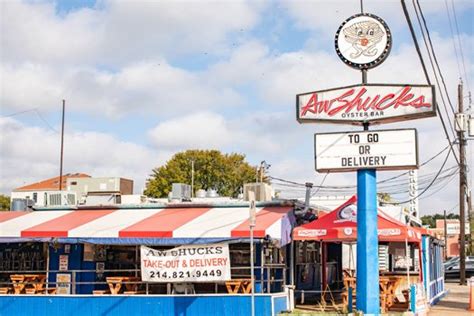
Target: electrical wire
point(37, 112)
point(466, 78)
point(426, 188)
point(453, 38)
point(320, 185)
point(415, 41)
point(302, 186)
point(423, 28)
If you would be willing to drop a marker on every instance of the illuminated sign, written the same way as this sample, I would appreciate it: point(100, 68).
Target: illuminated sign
point(363, 41)
point(366, 103)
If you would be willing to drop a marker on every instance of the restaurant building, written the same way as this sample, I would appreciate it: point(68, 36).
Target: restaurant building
point(91, 260)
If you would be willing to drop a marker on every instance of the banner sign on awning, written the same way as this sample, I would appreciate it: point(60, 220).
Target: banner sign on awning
point(194, 263)
point(386, 149)
point(366, 103)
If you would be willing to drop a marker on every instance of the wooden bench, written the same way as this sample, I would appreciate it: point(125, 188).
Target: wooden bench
point(5, 290)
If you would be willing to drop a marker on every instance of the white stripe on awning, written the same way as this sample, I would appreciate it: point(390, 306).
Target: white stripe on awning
point(14, 227)
point(111, 224)
point(217, 222)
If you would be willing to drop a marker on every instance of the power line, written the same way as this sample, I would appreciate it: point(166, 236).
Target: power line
point(37, 112)
point(460, 46)
point(417, 8)
point(45, 121)
point(320, 185)
point(453, 38)
point(415, 41)
point(426, 189)
point(302, 186)
point(20, 112)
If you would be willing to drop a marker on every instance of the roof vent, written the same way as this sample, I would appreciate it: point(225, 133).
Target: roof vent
point(263, 191)
point(201, 193)
point(181, 191)
point(211, 193)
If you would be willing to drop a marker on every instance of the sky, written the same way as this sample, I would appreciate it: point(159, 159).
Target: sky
point(144, 80)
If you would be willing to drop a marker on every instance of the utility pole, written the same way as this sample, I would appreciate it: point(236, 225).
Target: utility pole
point(62, 150)
point(471, 227)
point(462, 190)
point(445, 237)
point(192, 178)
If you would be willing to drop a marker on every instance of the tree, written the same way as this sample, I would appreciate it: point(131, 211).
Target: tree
point(431, 219)
point(384, 197)
point(225, 173)
point(4, 203)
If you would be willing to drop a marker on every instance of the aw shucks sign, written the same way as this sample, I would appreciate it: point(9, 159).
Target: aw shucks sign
point(192, 263)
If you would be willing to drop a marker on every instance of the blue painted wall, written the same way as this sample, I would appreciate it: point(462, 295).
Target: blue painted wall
point(75, 263)
point(225, 305)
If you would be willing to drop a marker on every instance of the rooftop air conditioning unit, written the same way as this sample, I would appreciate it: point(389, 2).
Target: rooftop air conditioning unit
point(263, 191)
point(181, 191)
point(61, 198)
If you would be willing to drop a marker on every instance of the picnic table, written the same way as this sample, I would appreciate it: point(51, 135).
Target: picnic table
point(388, 286)
point(20, 281)
point(115, 283)
point(236, 285)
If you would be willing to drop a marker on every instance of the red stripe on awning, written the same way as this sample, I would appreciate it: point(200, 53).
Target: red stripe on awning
point(6, 216)
point(59, 227)
point(265, 218)
point(162, 224)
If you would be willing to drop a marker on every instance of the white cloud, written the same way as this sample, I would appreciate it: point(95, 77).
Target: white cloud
point(206, 130)
point(117, 32)
point(143, 87)
point(31, 154)
point(325, 17)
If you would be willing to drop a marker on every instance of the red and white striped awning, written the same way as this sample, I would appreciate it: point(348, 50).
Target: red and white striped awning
point(199, 222)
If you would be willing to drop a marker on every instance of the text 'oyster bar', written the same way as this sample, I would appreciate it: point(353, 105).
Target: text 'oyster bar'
point(366, 103)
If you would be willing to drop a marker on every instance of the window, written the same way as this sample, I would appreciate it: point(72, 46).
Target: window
point(73, 182)
point(35, 197)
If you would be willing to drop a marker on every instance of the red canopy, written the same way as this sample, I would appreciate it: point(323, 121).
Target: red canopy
point(341, 225)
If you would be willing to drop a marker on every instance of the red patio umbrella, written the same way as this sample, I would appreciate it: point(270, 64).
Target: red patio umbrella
point(341, 225)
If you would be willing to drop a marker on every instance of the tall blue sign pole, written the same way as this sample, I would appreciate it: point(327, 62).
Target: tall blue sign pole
point(368, 299)
point(368, 292)
point(362, 41)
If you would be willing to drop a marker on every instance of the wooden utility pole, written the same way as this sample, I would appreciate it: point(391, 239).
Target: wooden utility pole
point(471, 226)
point(62, 151)
point(445, 237)
point(462, 191)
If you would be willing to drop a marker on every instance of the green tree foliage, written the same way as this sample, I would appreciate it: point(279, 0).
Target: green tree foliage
point(212, 170)
point(431, 219)
point(4, 203)
point(384, 197)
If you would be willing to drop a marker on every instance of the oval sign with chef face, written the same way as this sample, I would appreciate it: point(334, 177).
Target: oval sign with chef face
point(363, 41)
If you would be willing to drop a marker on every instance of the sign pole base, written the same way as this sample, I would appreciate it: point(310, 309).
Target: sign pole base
point(368, 293)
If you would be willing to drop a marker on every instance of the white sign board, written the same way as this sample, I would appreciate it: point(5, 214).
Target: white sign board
point(63, 281)
point(387, 149)
point(366, 103)
point(192, 263)
point(455, 228)
point(63, 262)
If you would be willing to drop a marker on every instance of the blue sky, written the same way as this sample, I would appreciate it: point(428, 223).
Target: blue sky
point(144, 80)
